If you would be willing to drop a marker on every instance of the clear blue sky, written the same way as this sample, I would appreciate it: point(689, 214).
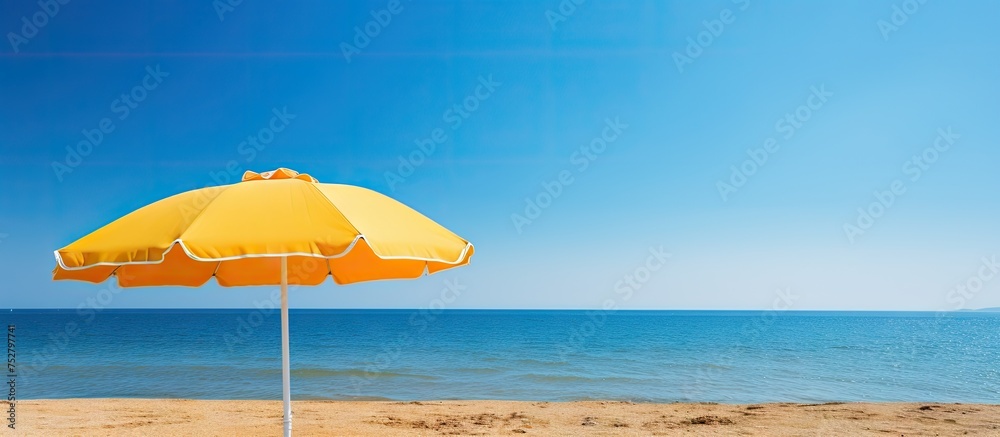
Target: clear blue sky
point(689, 115)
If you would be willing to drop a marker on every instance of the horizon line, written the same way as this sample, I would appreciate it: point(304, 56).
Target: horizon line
point(963, 310)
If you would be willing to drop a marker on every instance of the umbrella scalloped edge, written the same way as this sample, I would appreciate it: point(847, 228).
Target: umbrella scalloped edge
point(357, 263)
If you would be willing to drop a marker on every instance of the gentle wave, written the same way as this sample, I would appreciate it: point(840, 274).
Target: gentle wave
point(328, 373)
point(575, 378)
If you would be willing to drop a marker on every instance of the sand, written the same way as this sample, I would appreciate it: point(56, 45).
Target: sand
point(167, 417)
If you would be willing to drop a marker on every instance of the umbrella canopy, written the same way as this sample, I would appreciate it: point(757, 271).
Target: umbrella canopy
point(274, 228)
point(238, 232)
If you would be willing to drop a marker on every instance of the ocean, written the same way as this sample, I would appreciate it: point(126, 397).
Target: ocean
point(640, 356)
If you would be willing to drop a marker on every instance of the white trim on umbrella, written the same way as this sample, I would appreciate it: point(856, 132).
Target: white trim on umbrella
point(187, 252)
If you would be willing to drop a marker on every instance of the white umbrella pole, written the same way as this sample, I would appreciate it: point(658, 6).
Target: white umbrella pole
point(286, 385)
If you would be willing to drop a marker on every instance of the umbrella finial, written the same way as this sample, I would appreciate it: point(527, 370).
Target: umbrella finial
point(280, 173)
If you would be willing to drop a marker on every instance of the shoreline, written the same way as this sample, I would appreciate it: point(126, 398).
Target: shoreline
point(183, 417)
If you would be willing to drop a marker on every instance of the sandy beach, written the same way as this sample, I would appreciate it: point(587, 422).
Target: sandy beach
point(163, 417)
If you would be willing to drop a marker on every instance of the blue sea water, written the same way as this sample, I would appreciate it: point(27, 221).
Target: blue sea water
point(643, 356)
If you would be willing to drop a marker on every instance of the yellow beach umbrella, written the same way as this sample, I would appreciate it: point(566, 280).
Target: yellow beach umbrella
point(274, 228)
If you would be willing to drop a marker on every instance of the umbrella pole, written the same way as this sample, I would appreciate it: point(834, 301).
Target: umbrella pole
point(286, 386)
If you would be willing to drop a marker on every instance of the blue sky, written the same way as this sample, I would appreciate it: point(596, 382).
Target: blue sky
point(691, 87)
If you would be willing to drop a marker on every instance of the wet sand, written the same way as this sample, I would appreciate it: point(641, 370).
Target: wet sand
point(172, 417)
